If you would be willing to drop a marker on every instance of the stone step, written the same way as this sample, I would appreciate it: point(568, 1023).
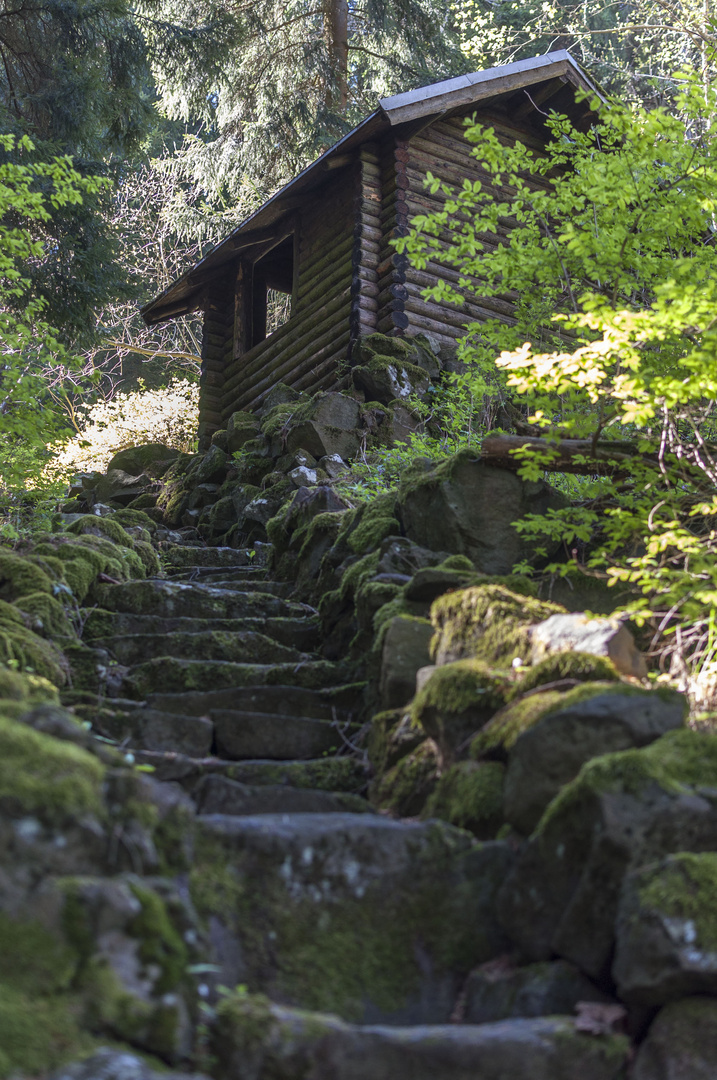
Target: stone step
point(244, 585)
point(341, 773)
point(168, 675)
point(176, 555)
point(302, 633)
point(334, 703)
point(150, 729)
point(375, 919)
point(243, 735)
point(156, 596)
point(545, 1048)
point(215, 794)
point(210, 573)
point(238, 647)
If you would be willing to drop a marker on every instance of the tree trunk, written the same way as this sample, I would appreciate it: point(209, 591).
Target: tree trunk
point(336, 28)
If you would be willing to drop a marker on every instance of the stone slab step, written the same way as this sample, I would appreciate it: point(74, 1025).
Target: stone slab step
point(243, 585)
point(341, 773)
point(176, 555)
point(156, 596)
point(375, 919)
point(149, 729)
point(239, 647)
point(216, 794)
point(263, 735)
point(333, 703)
point(167, 675)
point(302, 633)
point(546, 1048)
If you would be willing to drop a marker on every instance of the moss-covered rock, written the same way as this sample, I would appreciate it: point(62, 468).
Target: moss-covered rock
point(470, 795)
point(565, 668)
point(667, 930)
point(490, 622)
point(392, 735)
point(44, 777)
point(457, 701)
point(681, 1043)
point(328, 910)
point(21, 577)
point(623, 811)
point(403, 789)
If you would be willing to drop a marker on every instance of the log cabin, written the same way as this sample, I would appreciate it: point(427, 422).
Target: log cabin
point(320, 249)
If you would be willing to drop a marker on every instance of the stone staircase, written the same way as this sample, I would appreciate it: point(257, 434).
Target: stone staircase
point(216, 679)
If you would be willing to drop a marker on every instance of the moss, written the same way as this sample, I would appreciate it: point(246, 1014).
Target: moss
point(358, 573)
point(326, 774)
point(148, 557)
point(128, 518)
point(684, 886)
point(396, 606)
point(458, 687)
point(46, 614)
point(372, 523)
point(159, 942)
point(404, 789)
point(584, 667)
point(23, 650)
point(109, 527)
point(678, 761)
point(501, 732)
point(487, 621)
point(41, 775)
point(457, 562)
point(21, 577)
point(38, 1034)
point(340, 952)
point(26, 687)
point(470, 795)
point(393, 734)
point(326, 524)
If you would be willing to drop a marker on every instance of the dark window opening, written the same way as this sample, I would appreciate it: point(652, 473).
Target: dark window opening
point(273, 285)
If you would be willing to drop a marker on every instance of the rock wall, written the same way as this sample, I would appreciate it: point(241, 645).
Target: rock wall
point(295, 786)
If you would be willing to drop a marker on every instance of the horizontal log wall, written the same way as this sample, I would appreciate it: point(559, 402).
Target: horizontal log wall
point(217, 345)
point(442, 150)
point(307, 351)
point(367, 237)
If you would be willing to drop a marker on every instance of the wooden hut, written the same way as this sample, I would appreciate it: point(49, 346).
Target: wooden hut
point(324, 240)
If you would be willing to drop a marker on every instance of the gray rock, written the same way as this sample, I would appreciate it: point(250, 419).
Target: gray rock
point(405, 650)
point(466, 507)
point(293, 1044)
point(371, 917)
point(211, 468)
point(137, 459)
point(241, 428)
point(107, 1064)
point(577, 632)
point(309, 502)
point(333, 465)
point(121, 487)
point(399, 555)
point(623, 811)
point(329, 427)
point(261, 735)
point(500, 991)
point(667, 930)
point(216, 794)
point(150, 729)
point(552, 752)
point(681, 1043)
point(391, 381)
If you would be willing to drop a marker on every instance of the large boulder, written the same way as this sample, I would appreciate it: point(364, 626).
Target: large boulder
point(457, 700)
point(153, 458)
point(469, 508)
point(622, 812)
point(667, 930)
point(121, 487)
point(681, 1043)
point(373, 918)
point(591, 720)
point(255, 1040)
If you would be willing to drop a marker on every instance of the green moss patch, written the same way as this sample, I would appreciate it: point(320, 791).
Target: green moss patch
point(470, 795)
point(160, 944)
point(680, 760)
point(404, 789)
point(500, 733)
point(684, 886)
point(41, 775)
point(583, 667)
point(458, 687)
point(20, 577)
point(372, 523)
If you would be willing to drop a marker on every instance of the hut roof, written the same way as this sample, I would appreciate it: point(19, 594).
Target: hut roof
point(401, 111)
